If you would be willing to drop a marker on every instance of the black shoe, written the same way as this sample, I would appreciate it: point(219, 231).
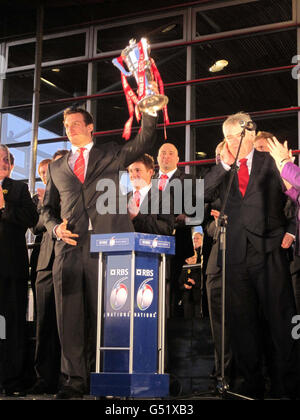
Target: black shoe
point(68, 393)
point(40, 387)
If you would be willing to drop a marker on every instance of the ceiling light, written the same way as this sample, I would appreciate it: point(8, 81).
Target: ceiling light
point(201, 154)
point(169, 28)
point(56, 70)
point(218, 66)
point(47, 82)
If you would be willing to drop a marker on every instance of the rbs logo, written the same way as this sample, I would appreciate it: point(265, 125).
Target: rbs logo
point(146, 273)
point(119, 272)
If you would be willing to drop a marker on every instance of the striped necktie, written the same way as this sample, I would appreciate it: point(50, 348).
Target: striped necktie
point(162, 182)
point(243, 176)
point(137, 198)
point(79, 166)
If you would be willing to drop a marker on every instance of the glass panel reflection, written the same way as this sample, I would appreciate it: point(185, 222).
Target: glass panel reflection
point(64, 82)
point(246, 53)
point(54, 49)
point(158, 30)
point(255, 13)
point(18, 88)
point(269, 91)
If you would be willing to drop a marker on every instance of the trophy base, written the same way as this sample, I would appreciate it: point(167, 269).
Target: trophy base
point(153, 103)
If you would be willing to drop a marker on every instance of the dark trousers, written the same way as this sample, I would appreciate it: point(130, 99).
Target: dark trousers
point(260, 295)
point(13, 305)
point(296, 288)
point(295, 270)
point(75, 276)
point(47, 353)
point(214, 298)
point(176, 293)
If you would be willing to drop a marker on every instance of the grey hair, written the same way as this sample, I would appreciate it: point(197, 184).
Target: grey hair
point(236, 119)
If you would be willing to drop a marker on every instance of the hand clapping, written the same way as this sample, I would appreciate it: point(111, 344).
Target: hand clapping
point(280, 153)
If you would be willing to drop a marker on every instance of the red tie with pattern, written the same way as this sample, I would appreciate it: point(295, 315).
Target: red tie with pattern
point(243, 176)
point(162, 182)
point(137, 198)
point(79, 166)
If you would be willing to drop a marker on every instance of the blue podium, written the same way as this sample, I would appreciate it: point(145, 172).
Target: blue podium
point(131, 315)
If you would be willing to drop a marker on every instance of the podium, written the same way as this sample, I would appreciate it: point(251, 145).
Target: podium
point(131, 315)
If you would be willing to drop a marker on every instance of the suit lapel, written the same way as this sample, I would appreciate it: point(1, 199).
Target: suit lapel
point(66, 166)
point(257, 164)
point(95, 161)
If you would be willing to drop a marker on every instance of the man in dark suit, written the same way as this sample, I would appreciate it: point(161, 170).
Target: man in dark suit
point(17, 213)
point(82, 197)
point(47, 349)
point(146, 198)
point(184, 248)
point(257, 273)
point(37, 230)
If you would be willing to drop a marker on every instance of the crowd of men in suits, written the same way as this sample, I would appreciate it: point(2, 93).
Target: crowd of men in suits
point(260, 302)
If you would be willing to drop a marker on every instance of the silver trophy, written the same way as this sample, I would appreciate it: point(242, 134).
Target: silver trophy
point(151, 101)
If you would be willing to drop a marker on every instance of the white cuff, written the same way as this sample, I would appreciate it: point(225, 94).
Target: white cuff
point(225, 166)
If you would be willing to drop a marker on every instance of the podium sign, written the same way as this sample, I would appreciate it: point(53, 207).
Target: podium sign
point(131, 297)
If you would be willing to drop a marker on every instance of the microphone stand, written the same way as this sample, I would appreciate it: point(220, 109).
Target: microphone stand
point(220, 234)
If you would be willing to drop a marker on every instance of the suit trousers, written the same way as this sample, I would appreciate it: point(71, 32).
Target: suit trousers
point(214, 299)
point(260, 304)
point(13, 305)
point(75, 276)
point(47, 353)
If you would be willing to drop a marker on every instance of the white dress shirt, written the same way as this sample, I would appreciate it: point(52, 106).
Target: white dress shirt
point(74, 156)
point(143, 192)
point(249, 158)
point(169, 175)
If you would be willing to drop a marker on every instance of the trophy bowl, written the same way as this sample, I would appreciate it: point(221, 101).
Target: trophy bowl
point(151, 101)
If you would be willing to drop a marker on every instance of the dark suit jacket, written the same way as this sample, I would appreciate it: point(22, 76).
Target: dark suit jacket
point(156, 224)
point(259, 216)
point(19, 214)
point(184, 247)
point(44, 257)
point(66, 197)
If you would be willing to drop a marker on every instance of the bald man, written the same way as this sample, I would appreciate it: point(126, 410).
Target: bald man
point(168, 171)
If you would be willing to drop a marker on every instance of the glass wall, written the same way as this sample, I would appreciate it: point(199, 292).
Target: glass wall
point(257, 39)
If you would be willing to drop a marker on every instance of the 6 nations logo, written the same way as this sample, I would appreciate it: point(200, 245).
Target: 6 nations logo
point(145, 295)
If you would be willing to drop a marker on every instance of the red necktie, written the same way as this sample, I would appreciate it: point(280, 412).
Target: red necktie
point(162, 182)
point(243, 175)
point(137, 198)
point(79, 166)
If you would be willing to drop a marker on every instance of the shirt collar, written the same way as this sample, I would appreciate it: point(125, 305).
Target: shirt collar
point(169, 174)
point(86, 146)
point(143, 191)
point(249, 158)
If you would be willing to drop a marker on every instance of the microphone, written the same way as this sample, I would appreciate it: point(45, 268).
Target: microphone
point(248, 125)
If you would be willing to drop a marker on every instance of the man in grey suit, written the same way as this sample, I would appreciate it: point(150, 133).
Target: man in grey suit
point(74, 208)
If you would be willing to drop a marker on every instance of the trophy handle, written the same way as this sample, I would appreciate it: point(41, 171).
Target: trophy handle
point(121, 68)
